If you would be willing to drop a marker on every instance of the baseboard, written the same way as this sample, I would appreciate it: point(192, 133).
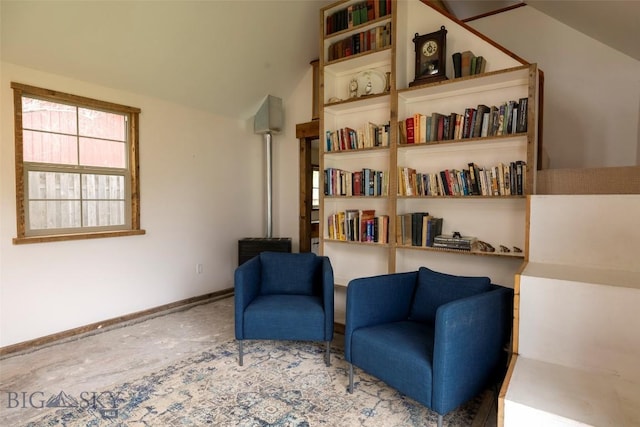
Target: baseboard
point(48, 339)
point(338, 328)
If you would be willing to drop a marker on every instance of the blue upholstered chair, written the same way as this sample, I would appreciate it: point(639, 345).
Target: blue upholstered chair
point(284, 296)
point(437, 338)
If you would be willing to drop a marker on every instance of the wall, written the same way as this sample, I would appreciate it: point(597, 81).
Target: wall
point(201, 190)
point(592, 92)
point(286, 153)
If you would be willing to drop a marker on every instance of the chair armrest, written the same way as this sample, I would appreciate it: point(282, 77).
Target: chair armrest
point(377, 300)
point(327, 297)
point(470, 336)
point(247, 280)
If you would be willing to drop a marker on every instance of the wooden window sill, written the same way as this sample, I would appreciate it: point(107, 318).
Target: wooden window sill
point(78, 236)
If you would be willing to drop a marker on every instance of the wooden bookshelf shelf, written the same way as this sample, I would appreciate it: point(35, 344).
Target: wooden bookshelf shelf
point(495, 219)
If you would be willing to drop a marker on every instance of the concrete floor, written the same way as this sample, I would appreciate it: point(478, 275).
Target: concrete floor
point(96, 361)
point(92, 363)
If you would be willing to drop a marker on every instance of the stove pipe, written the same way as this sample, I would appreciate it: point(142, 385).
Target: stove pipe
point(268, 120)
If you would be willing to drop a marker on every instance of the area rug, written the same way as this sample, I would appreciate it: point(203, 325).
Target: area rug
point(280, 384)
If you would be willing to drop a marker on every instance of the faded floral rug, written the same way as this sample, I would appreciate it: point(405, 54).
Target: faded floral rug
point(280, 384)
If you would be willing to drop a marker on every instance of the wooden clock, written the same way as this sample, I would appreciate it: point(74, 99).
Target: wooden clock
point(431, 50)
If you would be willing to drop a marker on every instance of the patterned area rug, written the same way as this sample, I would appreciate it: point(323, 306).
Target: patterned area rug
point(280, 384)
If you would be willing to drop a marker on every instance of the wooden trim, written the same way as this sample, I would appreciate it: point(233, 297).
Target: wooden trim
point(338, 328)
point(304, 239)
point(476, 33)
point(79, 236)
point(540, 117)
point(48, 339)
point(133, 114)
point(308, 130)
point(494, 12)
point(19, 162)
point(75, 99)
point(503, 390)
point(134, 170)
point(305, 132)
point(515, 330)
point(602, 180)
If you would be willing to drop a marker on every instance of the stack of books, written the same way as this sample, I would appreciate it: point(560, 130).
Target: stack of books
point(448, 241)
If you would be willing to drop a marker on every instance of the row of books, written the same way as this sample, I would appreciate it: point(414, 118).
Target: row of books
point(467, 64)
point(500, 180)
point(353, 225)
point(482, 121)
point(417, 229)
point(364, 41)
point(357, 14)
point(367, 182)
point(369, 136)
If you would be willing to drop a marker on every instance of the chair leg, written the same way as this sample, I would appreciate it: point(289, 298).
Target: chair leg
point(350, 389)
point(240, 342)
point(328, 354)
point(440, 419)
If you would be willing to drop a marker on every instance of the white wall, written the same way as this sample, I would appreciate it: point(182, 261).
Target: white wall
point(286, 168)
point(201, 190)
point(592, 92)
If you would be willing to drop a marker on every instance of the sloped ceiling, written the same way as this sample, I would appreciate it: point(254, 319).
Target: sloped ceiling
point(612, 22)
point(220, 56)
point(224, 56)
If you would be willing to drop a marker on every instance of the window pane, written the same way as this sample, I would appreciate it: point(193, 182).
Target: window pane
point(100, 152)
point(315, 188)
point(49, 148)
point(103, 187)
point(102, 213)
point(54, 214)
point(53, 185)
point(99, 124)
point(48, 116)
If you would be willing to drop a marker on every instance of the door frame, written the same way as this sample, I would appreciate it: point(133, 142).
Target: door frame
point(306, 132)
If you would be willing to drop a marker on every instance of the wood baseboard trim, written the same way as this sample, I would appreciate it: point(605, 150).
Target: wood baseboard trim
point(139, 315)
point(338, 328)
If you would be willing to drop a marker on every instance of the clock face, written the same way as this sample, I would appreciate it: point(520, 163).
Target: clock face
point(430, 48)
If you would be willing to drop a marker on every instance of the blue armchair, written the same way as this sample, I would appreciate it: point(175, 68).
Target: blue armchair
point(437, 338)
point(284, 296)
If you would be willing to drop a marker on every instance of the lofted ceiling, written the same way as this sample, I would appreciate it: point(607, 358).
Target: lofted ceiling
point(615, 23)
point(220, 56)
point(224, 56)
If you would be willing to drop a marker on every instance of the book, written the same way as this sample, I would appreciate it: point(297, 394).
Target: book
point(410, 130)
point(477, 124)
point(435, 123)
point(457, 64)
point(408, 230)
point(468, 117)
point(423, 129)
point(521, 125)
point(479, 65)
point(402, 132)
point(425, 230)
point(366, 219)
point(434, 228)
point(465, 63)
point(416, 228)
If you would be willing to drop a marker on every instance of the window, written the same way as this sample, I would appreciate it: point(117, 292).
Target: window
point(315, 188)
point(76, 166)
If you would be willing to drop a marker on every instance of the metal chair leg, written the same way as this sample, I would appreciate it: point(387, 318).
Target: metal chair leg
point(440, 419)
point(350, 389)
point(240, 342)
point(328, 354)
